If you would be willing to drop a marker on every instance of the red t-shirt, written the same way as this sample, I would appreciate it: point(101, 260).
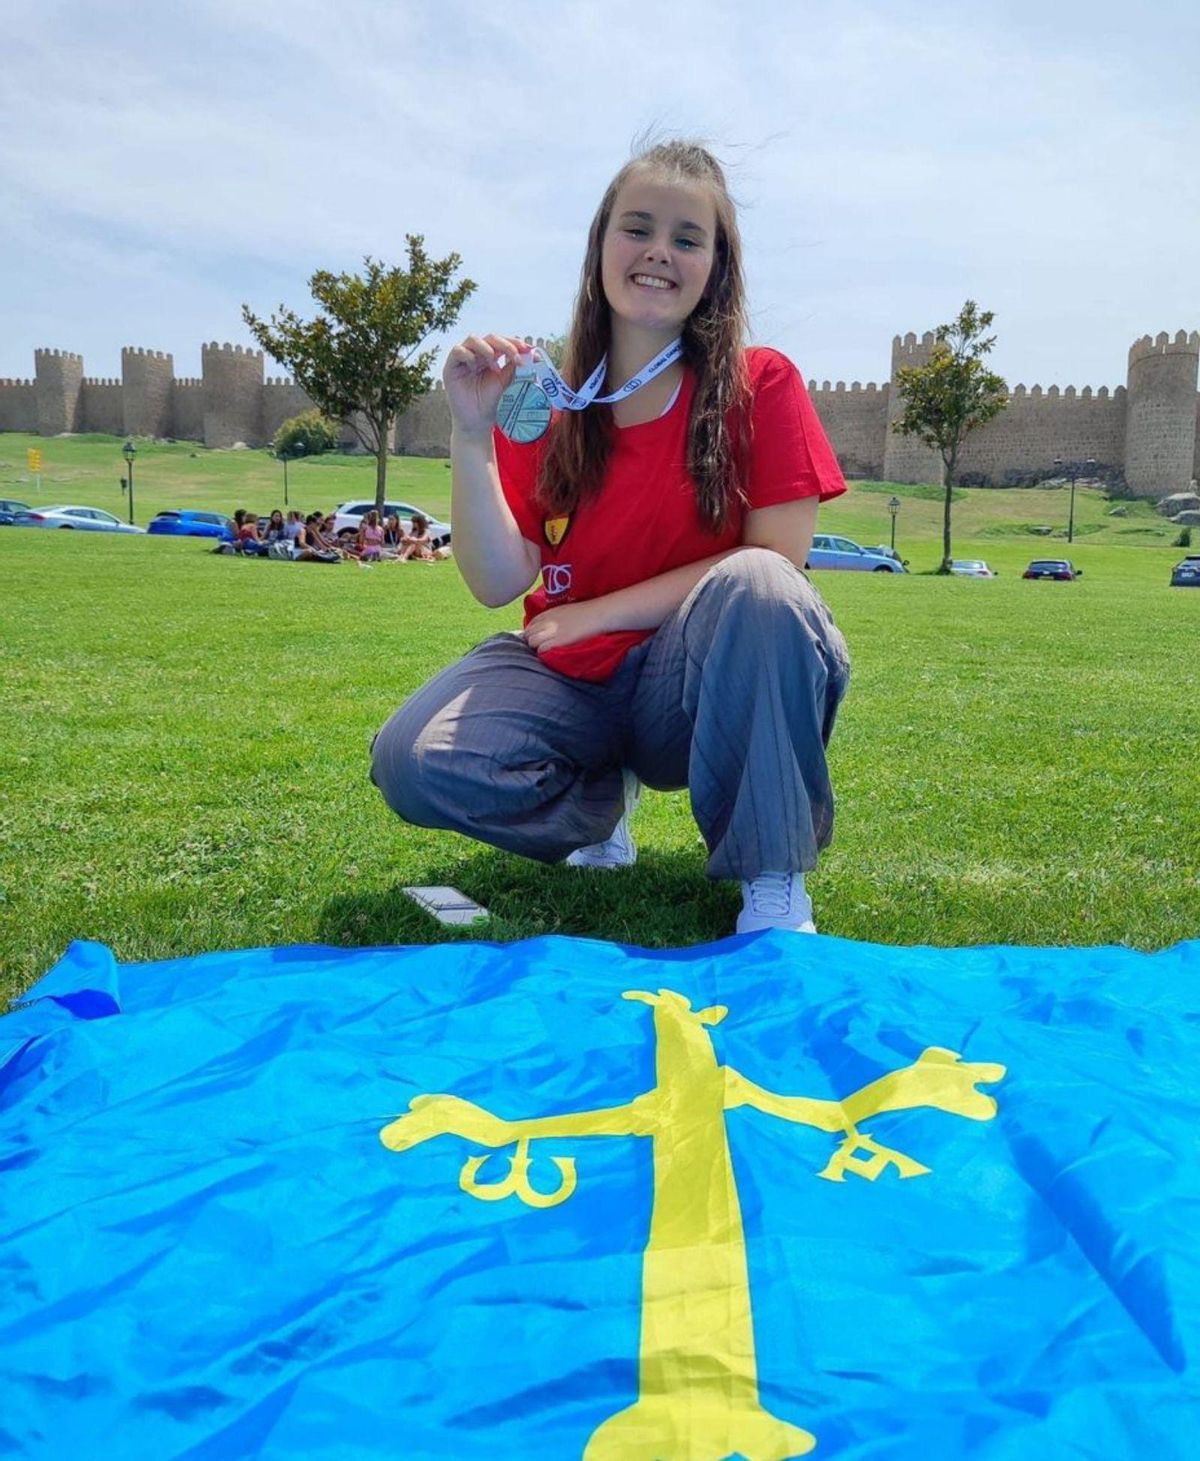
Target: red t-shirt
point(644, 521)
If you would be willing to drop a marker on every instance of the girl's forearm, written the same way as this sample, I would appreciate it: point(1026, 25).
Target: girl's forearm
point(496, 562)
point(647, 605)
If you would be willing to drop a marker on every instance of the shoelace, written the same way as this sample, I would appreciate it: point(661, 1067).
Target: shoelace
point(771, 894)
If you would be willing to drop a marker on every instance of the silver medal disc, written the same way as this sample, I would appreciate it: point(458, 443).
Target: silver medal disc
point(524, 412)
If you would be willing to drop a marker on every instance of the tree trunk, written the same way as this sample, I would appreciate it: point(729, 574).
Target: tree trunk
point(948, 484)
point(381, 456)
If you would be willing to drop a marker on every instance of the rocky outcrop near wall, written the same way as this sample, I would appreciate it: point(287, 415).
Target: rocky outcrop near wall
point(1160, 423)
point(233, 384)
point(58, 377)
point(1021, 444)
point(149, 381)
point(905, 459)
point(282, 399)
point(424, 429)
point(18, 405)
point(101, 406)
point(856, 422)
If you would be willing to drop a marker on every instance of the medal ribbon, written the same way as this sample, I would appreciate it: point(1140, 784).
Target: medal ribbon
point(560, 394)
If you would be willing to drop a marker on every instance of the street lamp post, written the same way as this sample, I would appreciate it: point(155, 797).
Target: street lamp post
point(1074, 472)
point(129, 451)
point(297, 449)
point(894, 507)
point(1090, 464)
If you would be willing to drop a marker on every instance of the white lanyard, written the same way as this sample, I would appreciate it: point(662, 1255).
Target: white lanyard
point(560, 394)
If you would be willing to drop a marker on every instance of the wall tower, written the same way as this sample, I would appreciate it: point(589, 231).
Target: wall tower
point(59, 386)
point(233, 390)
point(905, 459)
point(1160, 414)
point(148, 387)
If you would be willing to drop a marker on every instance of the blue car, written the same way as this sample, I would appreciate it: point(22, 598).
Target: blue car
point(1187, 573)
point(186, 523)
point(9, 508)
point(830, 552)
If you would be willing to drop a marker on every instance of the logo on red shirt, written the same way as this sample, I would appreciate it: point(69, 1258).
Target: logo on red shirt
point(557, 579)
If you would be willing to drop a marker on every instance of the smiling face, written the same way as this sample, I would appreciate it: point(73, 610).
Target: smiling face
point(658, 251)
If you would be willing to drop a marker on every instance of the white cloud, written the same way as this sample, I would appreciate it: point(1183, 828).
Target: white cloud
point(890, 163)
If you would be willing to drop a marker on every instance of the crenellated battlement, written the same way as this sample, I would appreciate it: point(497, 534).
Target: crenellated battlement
point(911, 349)
point(101, 380)
point(1162, 344)
point(279, 380)
point(1022, 392)
point(7, 381)
point(130, 350)
point(840, 386)
point(64, 355)
point(193, 381)
point(212, 348)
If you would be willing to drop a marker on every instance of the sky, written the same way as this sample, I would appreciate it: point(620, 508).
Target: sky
point(162, 164)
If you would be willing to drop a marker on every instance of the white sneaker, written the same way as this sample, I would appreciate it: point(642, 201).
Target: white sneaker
point(619, 850)
point(776, 900)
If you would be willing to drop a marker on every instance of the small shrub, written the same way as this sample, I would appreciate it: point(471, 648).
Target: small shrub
point(1184, 540)
point(306, 435)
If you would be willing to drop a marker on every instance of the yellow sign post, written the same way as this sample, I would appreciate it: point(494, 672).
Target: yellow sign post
point(33, 456)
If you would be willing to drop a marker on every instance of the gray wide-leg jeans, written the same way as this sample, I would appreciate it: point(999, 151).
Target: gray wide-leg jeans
point(734, 698)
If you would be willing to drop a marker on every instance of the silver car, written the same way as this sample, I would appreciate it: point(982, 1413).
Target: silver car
point(68, 515)
point(348, 517)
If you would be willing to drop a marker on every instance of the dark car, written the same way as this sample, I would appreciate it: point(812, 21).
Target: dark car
point(1187, 573)
point(1061, 568)
point(9, 507)
point(187, 523)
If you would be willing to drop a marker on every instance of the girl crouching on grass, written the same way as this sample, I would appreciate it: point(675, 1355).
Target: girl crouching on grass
point(672, 637)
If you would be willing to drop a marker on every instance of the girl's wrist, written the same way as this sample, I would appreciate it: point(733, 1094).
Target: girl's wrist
point(477, 436)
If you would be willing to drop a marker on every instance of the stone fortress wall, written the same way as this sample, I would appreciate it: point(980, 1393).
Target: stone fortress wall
point(1145, 433)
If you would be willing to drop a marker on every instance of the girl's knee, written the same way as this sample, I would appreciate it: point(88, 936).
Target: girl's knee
point(396, 768)
point(761, 576)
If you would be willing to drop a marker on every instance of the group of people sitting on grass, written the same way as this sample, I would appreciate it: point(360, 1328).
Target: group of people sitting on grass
point(312, 538)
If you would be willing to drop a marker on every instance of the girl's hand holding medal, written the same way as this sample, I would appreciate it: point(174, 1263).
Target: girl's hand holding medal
point(475, 375)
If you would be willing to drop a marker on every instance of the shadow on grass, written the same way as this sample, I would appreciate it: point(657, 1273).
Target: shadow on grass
point(663, 901)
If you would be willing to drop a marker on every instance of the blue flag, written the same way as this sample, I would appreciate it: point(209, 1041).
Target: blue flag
point(561, 1198)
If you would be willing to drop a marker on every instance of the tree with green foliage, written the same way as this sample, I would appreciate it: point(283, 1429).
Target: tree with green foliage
point(949, 396)
point(306, 435)
point(360, 359)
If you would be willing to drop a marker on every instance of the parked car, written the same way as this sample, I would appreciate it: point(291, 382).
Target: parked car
point(971, 568)
point(68, 515)
point(9, 507)
point(1187, 573)
point(188, 523)
point(830, 552)
point(1061, 568)
point(348, 518)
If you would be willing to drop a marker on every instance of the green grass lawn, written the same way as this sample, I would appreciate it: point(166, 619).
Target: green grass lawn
point(184, 752)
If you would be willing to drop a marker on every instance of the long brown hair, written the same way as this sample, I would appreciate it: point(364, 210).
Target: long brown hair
point(713, 346)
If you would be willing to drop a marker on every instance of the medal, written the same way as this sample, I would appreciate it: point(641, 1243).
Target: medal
point(537, 389)
point(524, 412)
